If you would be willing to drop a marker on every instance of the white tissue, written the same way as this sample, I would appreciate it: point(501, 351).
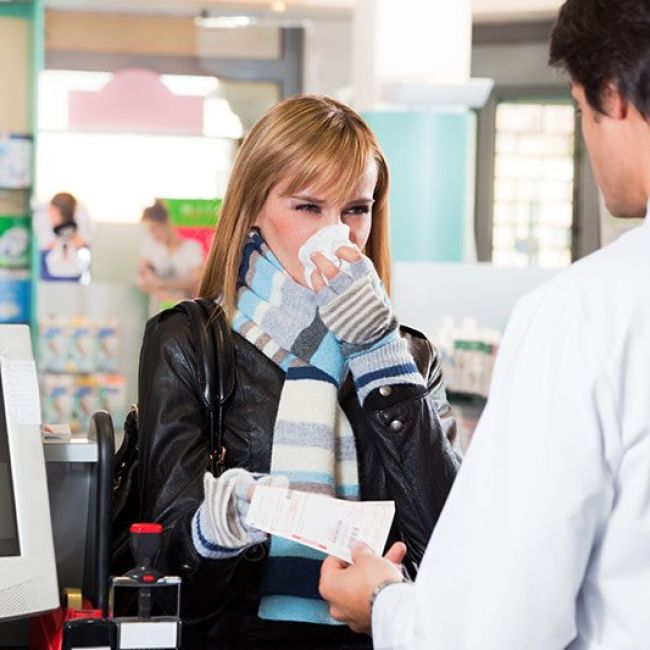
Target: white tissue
point(326, 241)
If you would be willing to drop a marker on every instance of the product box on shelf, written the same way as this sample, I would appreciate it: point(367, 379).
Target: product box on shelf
point(79, 345)
point(58, 396)
point(81, 351)
point(14, 203)
point(54, 343)
point(15, 295)
point(84, 403)
point(72, 398)
point(467, 353)
point(15, 161)
point(78, 361)
point(473, 363)
point(14, 242)
point(112, 396)
point(107, 346)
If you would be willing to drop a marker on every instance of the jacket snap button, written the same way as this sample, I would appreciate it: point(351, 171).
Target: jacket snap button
point(396, 425)
point(186, 567)
point(385, 391)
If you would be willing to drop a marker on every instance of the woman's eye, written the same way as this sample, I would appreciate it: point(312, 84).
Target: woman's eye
point(359, 209)
point(308, 207)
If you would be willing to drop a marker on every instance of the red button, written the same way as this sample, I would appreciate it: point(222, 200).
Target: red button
point(148, 578)
point(146, 528)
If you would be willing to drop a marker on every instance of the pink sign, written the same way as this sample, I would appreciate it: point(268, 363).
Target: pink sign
point(135, 100)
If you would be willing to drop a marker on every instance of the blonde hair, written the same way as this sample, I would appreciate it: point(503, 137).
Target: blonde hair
point(305, 140)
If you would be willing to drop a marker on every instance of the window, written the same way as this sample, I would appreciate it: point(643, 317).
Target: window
point(533, 185)
point(134, 135)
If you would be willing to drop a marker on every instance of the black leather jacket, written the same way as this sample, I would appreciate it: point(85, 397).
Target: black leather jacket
point(404, 454)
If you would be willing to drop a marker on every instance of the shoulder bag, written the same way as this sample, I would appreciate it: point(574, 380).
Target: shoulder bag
point(214, 353)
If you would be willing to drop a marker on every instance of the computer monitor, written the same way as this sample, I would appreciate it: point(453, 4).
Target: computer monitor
point(28, 582)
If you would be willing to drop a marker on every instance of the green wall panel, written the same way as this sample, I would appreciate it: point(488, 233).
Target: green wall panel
point(431, 160)
point(17, 10)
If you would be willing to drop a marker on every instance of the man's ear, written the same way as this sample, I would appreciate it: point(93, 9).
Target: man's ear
point(614, 104)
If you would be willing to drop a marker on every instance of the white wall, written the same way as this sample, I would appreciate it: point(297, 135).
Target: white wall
point(506, 9)
point(516, 64)
point(426, 293)
point(328, 56)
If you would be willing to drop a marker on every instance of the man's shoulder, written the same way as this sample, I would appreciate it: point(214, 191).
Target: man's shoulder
point(612, 271)
point(605, 292)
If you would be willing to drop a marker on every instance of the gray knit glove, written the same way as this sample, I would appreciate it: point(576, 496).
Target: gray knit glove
point(219, 528)
point(355, 308)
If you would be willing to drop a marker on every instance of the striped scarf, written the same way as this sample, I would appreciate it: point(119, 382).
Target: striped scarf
point(313, 442)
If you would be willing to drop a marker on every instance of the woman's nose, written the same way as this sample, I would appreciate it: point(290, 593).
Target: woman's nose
point(332, 218)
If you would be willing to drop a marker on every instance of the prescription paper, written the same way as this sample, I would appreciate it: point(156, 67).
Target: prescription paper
point(323, 523)
point(20, 384)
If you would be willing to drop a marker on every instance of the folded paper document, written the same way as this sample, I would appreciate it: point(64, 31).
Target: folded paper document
point(326, 524)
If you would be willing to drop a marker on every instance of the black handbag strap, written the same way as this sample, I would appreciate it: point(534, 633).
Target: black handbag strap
point(216, 369)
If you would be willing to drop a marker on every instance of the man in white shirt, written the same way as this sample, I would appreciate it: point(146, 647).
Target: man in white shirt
point(544, 543)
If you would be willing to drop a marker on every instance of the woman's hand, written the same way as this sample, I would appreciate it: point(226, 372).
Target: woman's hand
point(245, 489)
point(353, 304)
point(220, 529)
point(327, 269)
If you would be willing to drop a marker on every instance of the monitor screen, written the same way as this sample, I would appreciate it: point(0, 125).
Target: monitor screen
point(9, 545)
point(28, 581)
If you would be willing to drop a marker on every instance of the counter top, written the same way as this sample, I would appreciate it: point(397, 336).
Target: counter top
point(75, 450)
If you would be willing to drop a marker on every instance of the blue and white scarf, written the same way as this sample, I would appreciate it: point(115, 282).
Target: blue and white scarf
point(313, 442)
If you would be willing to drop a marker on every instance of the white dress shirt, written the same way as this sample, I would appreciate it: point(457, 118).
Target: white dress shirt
point(544, 543)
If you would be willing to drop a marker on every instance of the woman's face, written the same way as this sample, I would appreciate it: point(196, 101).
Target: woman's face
point(287, 222)
point(55, 215)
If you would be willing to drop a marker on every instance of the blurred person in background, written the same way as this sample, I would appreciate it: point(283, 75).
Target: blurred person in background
point(66, 255)
point(544, 543)
point(169, 269)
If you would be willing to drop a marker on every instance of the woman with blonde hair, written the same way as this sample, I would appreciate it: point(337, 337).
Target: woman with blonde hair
point(331, 395)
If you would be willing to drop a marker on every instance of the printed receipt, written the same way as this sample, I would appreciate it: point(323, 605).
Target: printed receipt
point(323, 523)
point(20, 383)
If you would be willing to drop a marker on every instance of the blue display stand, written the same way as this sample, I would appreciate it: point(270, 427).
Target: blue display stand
point(15, 296)
point(431, 158)
point(18, 291)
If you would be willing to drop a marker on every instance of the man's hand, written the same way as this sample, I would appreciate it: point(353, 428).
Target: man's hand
point(348, 587)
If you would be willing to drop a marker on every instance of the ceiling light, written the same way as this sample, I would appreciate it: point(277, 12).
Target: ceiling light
point(472, 93)
point(275, 17)
point(223, 22)
point(189, 85)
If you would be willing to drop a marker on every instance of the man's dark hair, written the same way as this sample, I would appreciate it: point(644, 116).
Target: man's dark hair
point(605, 41)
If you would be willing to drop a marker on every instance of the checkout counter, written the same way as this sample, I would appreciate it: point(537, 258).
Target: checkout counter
point(76, 490)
